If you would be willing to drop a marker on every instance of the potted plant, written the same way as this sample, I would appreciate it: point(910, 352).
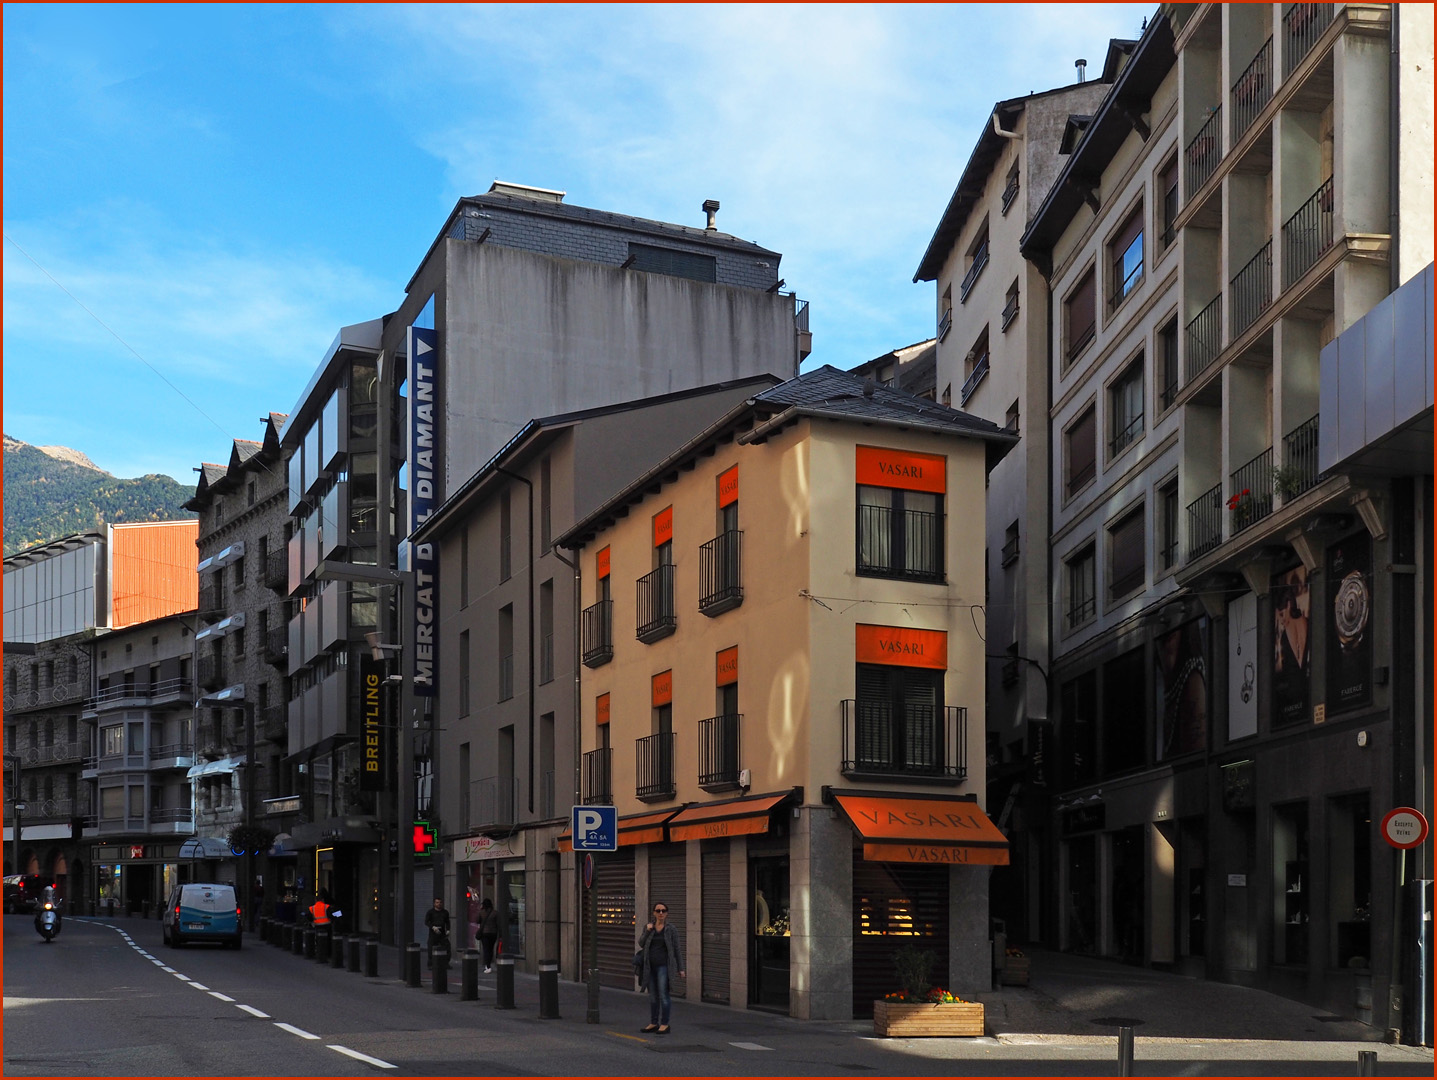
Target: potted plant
point(1241, 506)
point(1289, 481)
point(921, 1009)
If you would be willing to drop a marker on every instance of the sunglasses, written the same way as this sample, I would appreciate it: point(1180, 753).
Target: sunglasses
point(661, 911)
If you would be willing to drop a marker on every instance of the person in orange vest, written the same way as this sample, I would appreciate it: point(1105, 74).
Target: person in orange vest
point(319, 911)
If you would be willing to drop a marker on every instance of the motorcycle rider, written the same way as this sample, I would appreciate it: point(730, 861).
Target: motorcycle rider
point(47, 913)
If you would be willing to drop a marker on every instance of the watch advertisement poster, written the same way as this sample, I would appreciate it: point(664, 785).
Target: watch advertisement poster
point(1349, 623)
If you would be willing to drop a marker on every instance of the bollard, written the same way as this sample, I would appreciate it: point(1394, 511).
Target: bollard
point(336, 945)
point(548, 991)
point(1367, 1063)
point(308, 939)
point(1125, 1051)
point(322, 943)
point(356, 946)
point(469, 976)
point(371, 959)
point(411, 964)
point(439, 976)
point(504, 984)
point(263, 928)
point(296, 937)
point(286, 937)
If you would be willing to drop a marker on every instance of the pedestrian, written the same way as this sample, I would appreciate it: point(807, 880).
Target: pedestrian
point(319, 910)
point(437, 920)
point(488, 931)
point(663, 952)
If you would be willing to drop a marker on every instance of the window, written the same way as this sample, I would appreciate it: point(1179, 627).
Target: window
point(1080, 317)
point(464, 658)
point(948, 395)
point(1082, 587)
point(506, 652)
point(1168, 189)
point(239, 643)
point(1125, 258)
point(137, 738)
point(898, 724)
point(975, 367)
point(545, 503)
point(977, 260)
point(1011, 421)
point(1168, 361)
point(1081, 451)
point(112, 740)
point(1010, 545)
point(239, 572)
point(1010, 189)
point(684, 264)
point(112, 803)
point(1349, 889)
point(900, 533)
point(945, 313)
point(1127, 567)
point(1125, 408)
point(1168, 525)
point(546, 631)
point(465, 818)
point(1010, 305)
point(137, 801)
point(506, 537)
point(464, 567)
point(1124, 714)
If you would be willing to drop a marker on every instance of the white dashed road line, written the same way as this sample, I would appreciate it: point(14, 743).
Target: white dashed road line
point(253, 1011)
point(198, 986)
point(295, 1031)
point(169, 969)
point(750, 1046)
point(347, 1052)
point(222, 997)
point(182, 978)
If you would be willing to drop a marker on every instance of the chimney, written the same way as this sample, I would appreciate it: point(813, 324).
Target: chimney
point(1082, 66)
point(711, 209)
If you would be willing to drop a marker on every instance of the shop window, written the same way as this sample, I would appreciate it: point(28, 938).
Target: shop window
point(1125, 713)
point(1081, 451)
point(1080, 317)
point(1349, 888)
point(1292, 884)
point(1082, 601)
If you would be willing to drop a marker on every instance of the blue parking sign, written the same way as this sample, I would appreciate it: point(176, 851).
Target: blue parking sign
point(595, 828)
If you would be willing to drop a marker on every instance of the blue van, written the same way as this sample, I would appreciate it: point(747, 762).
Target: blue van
point(202, 913)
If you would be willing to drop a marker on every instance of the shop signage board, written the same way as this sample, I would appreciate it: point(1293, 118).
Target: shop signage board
point(1404, 828)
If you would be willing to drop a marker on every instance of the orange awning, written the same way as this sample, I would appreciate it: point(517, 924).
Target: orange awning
point(923, 828)
point(634, 829)
point(732, 817)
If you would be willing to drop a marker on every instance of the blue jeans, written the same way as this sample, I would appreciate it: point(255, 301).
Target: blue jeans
point(659, 996)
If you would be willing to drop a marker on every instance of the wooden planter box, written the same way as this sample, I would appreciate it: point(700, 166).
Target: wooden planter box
point(1014, 971)
point(950, 1019)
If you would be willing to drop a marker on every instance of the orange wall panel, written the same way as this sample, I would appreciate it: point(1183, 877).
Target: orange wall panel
point(154, 571)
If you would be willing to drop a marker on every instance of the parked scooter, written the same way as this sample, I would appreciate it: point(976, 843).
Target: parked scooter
point(47, 915)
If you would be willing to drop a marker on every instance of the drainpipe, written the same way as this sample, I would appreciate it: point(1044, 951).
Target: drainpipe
point(578, 754)
point(1394, 145)
point(532, 560)
point(998, 129)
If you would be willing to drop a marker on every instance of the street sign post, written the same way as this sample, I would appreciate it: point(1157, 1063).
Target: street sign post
point(595, 828)
point(1404, 828)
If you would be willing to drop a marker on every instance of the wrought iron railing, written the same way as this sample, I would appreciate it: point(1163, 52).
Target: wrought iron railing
point(655, 604)
point(171, 814)
point(1252, 90)
point(211, 601)
point(1123, 288)
point(182, 749)
point(1010, 551)
point(1299, 461)
point(1010, 311)
point(1080, 340)
point(276, 646)
point(1126, 436)
point(945, 323)
point(598, 631)
point(1251, 498)
point(721, 573)
point(1205, 522)
point(800, 315)
point(597, 788)
point(1203, 154)
point(1307, 234)
point(654, 766)
point(902, 544)
point(1168, 392)
point(976, 376)
point(59, 752)
point(719, 752)
point(493, 801)
point(1204, 338)
point(980, 260)
point(1252, 289)
point(1303, 25)
point(1010, 191)
point(276, 571)
point(917, 741)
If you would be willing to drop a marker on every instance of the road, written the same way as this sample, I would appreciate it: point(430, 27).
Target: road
point(107, 999)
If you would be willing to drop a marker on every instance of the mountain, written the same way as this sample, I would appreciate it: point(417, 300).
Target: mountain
point(53, 491)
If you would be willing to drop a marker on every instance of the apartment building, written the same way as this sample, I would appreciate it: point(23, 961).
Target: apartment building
point(992, 326)
point(911, 367)
point(1227, 220)
point(506, 769)
point(525, 305)
point(788, 714)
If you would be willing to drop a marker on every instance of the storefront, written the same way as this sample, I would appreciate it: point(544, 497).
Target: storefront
point(340, 856)
point(493, 869)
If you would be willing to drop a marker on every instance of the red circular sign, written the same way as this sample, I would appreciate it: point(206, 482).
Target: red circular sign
point(1404, 827)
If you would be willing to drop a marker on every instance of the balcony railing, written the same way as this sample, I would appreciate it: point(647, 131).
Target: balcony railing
point(598, 629)
point(170, 814)
point(59, 752)
point(980, 260)
point(1252, 289)
point(1203, 153)
point(211, 672)
point(719, 752)
point(1080, 340)
point(656, 618)
point(1010, 311)
point(276, 571)
point(976, 376)
point(1204, 338)
point(182, 749)
point(1307, 234)
point(945, 323)
point(1205, 522)
point(276, 646)
point(1010, 551)
point(654, 766)
point(138, 691)
point(1299, 461)
point(911, 741)
point(721, 573)
point(1168, 392)
point(1126, 436)
point(1303, 25)
point(506, 677)
point(210, 601)
point(493, 801)
point(1252, 90)
point(1254, 478)
point(915, 553)
point(1010, 192)
point(597, 774)
point(273, 723)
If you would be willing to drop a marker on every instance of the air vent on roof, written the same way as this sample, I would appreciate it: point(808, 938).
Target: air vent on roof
point(524, 191)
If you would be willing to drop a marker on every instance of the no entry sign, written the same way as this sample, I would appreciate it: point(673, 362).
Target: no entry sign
point(1404, 827)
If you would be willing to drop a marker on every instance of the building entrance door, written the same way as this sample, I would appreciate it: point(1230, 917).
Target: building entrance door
point(768, 933)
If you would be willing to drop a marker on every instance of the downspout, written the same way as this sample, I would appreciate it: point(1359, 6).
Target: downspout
point(1394, 147)
point(578, 764)
point(998, 129)
point(532, 560)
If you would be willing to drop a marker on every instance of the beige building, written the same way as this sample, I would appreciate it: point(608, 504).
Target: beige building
point(789, 717)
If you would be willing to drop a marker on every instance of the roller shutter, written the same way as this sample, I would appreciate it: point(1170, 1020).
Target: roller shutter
point(715, 913)
point(668, 882)
point(893, 904)
point(614, 891)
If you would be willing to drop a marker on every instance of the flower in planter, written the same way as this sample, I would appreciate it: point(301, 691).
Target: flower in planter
point(1237, 500)
point(1013, 952)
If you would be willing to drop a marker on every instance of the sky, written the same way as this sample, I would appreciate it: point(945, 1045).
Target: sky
point(197, 198)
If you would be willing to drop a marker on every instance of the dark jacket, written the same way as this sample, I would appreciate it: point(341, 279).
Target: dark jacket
point(489, 922)
point(671, 941)
point(437, 921)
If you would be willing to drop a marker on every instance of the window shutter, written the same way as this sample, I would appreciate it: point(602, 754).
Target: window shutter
point(1082, 451)
point(1127, 555)
point(1128, 233)
point(1082, 307)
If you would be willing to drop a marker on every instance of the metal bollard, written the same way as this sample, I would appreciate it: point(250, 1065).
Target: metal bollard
point(548, 991)
point(296, 937)
point(322, 944)
point(1125, 1051)
point(1367, 1063)
point(308, 947)
point(504, 984)
point(411, 964)
point(371, 959)
point(439, 976)
point(469, 976)
point(356, 946)
point(336, 958)
point(263, 928)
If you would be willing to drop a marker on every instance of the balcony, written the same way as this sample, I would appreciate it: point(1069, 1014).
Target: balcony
point(1252, 289)
point(905, 544)
point(211, 672)
point(1010, 551)
point(721, 573)
point(598, 787)
point(276, 572)
point(276, 647)
point(598, 629)
point(1205, 522)
point(1302, 25)
point(172, 821)
point(1125, 436)
point(493, 802)
point(1080, 340)
point(656, 618)
point(976, 376)
point(945, 323)
point(1307, 234)
point(1251, 499)
point(980, 260)
point(176, 755)
point(129, 694)
point(58, 753)
point(1299, 461)
point(719, 753)
point(909, 742)
point(273, 723)
point(1203, 153)
point(1204, 338)
point(1010, 311)
point(654, 767)
point(1252, 90)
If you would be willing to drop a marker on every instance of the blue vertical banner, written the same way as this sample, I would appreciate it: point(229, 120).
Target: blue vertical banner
point(424, 473)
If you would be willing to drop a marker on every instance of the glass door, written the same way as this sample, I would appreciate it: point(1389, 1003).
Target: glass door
point(769, 934)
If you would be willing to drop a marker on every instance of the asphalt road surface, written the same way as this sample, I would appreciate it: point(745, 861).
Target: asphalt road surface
point(108, 999)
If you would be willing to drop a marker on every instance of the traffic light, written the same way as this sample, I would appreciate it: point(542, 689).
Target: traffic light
point(424, 838)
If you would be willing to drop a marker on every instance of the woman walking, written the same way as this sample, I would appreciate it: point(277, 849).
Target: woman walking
point(488, 931)
point(663, 952)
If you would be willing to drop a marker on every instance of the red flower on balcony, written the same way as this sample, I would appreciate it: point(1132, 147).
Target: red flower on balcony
point(1236, 500)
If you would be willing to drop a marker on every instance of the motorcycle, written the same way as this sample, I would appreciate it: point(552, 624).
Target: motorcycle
point(47, 918)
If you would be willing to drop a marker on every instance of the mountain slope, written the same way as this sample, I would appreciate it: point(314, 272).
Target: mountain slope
point(54, 491)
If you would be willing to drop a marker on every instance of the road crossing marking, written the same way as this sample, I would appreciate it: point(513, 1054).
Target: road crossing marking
point(377, 1062)
point(750, 1046)
point(295, 1031)
point(253, 1011)
point(222, 997)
